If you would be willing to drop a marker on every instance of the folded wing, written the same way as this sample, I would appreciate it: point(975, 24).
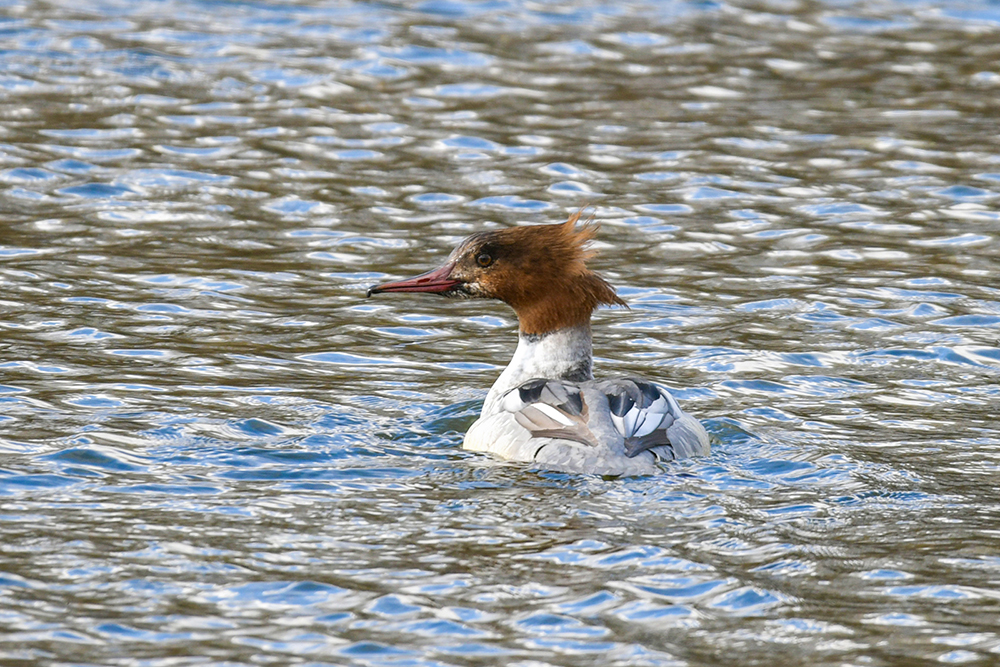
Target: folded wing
point(550, 409)
point(646, 416)
point(650, 419)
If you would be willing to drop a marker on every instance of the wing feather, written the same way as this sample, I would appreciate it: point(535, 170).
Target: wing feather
point(550, 409)
point(650, 419)
point(553, 413)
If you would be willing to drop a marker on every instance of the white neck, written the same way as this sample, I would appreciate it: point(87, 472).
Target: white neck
point(566, 354)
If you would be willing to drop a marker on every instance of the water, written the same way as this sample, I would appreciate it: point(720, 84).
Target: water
point(217, 451)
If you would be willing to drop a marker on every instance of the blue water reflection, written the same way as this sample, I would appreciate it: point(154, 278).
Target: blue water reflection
point(215, 449)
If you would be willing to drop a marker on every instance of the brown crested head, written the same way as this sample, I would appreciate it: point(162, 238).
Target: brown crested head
point(539, 270)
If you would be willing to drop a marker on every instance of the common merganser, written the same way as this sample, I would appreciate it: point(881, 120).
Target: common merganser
point(546, 407)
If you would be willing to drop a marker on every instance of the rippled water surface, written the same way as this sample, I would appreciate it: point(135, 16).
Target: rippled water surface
point(217, 451)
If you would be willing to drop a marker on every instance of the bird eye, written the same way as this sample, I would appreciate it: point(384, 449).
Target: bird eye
point(484, 259)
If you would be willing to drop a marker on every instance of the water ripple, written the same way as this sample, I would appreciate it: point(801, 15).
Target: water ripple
point(215, 446)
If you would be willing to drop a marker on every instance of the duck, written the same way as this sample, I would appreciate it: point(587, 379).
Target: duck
point(546, 408)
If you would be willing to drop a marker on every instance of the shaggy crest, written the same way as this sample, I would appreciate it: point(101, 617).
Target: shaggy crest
point(574, 241)
point(541, 272)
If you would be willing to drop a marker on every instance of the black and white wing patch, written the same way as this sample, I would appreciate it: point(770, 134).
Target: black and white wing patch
point(550, 409)
point(650, 420)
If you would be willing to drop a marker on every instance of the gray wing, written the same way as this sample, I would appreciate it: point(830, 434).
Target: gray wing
point(550, 409)
point(650, 419)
